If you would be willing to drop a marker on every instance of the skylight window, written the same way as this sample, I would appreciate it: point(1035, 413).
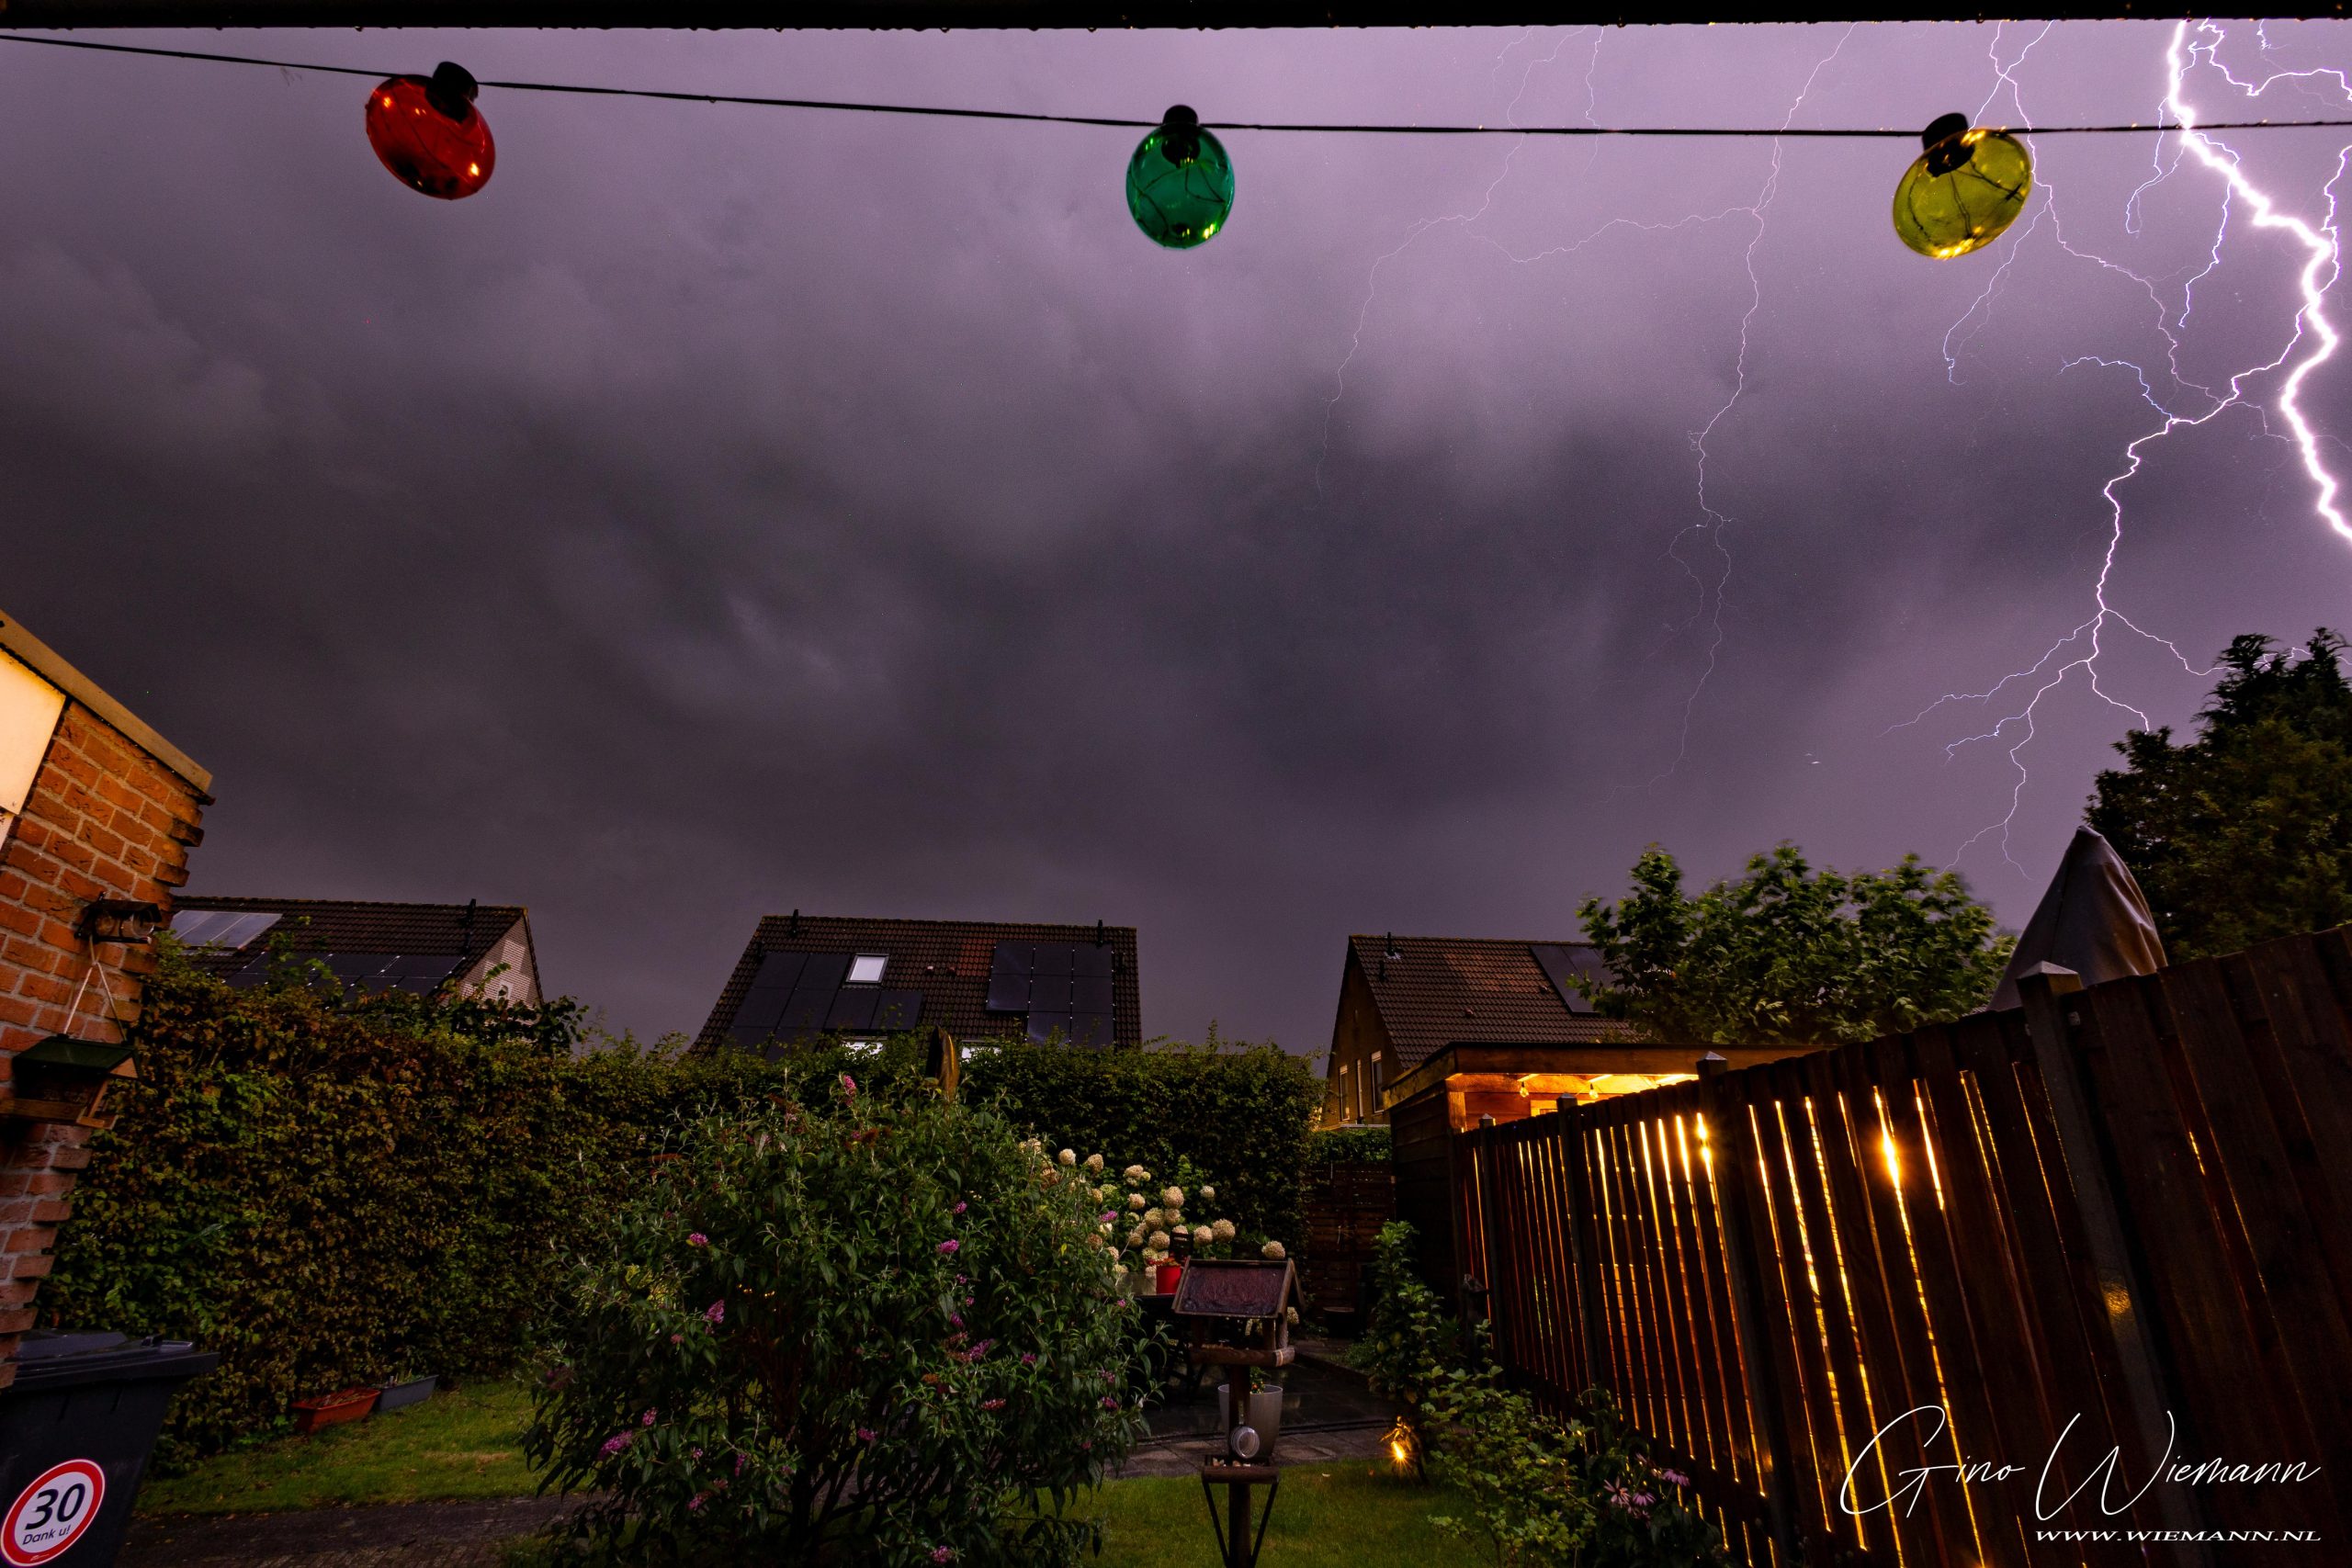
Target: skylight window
point(866, 969)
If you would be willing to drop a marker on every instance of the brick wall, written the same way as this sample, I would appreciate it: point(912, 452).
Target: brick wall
point(107, 816)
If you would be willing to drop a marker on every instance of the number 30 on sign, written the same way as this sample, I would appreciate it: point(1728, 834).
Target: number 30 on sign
point(51, 1514)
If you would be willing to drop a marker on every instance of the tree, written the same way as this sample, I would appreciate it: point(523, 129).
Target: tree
point(2246, 832)
point(1789, 953)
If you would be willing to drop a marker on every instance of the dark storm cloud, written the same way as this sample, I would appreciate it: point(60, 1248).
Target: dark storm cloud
point(731, 512)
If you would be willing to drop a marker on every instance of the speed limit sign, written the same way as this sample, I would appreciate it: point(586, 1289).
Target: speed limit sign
point(51, 1514)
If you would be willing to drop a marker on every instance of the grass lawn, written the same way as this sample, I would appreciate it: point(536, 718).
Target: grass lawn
point(1329, 1516)
point(467, 1443)
point(461, 1443)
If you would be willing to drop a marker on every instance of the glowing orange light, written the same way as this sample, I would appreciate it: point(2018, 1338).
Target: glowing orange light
point(428, 133)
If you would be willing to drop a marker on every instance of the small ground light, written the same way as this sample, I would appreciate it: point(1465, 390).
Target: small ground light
point(1964, 191)
point(1180, 182)
point(426, 130)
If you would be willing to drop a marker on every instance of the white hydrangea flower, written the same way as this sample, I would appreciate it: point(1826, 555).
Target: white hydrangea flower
point(1066, 1157)
point(1272, 1249)
point(1104, 1229)
point(1134, 1176)
point(1135, 1200)
point(1159, 1240)
point(1172, 1218)
point(1135, 1236)
point(1173, 1197)
point(1118, 1270)
point(1208, 1193)
point(1223, 1230)
point(1094, 1164)
point(1094, 1238)
point(1202, 1235)
point(1115, 1254)
point(1153, 1216)
point(1290, 1315)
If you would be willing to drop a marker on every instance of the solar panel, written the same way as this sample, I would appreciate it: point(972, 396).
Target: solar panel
point(1056, 957)
point(1093, 958)
point(1089, 994)
point(824, 972)
point(1042, 1025)
point(853, 1008)
point(1008, 992)
point(350, 968)
point(1092, 1029)
point(220, 928)
point(1053, 993)
point(1013, 958)
point(805, 1011)
point(899, 1008)
point(779, 971)
point(1564, 965)
point(762, 1011)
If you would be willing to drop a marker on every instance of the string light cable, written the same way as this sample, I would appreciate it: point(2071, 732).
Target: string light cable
point(1309, 128)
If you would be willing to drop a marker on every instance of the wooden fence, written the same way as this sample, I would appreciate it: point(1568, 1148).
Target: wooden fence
point(1346, 1203)
point(2112, 1221)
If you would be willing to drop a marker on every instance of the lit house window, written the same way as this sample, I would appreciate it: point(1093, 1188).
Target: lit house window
point(29, 707)
point(866, 969)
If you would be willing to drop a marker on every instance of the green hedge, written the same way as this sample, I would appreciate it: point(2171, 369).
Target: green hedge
point(1239, 1116)
point(330, 1196)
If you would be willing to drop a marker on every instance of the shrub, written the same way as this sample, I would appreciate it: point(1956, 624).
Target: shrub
point(1409, 1342)
point(1242, 1115)
point(330, 1194)
point(863, 1333)
point(1349, 1146)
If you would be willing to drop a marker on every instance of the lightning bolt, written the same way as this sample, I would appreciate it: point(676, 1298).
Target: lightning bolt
point(1454, 219)
point(1714, 524)
point(2079, 650)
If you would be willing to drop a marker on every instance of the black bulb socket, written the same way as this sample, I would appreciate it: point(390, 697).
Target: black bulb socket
point(1946, 150)
point(452, 89)
point(1179, 134)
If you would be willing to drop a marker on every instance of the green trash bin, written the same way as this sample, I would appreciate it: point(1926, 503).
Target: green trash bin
point(76, 1429)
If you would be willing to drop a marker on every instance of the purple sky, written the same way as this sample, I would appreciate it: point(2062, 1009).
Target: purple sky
point(735, 509)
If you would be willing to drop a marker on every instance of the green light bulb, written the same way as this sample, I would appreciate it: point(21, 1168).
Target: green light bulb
point(1180, 182)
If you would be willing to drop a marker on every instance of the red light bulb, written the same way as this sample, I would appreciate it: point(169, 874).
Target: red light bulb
point(427, 131)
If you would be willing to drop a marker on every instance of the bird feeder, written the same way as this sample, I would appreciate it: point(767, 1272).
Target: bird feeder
point(426, 130)
point(1237, 1315)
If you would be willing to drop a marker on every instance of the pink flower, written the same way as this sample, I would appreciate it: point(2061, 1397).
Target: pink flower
point(648, 1421)
point(1674, 1478)
point(1028, 1358)
point(960, 1207)
point(738, 1463)
point(695, 1504)
point(991, 1403)
point(849, 1085)
point(715, 1312)
point(697, 1239)
point(943, 1554)
point(695, 1454)
point(956, 1319)
point(866, 1434)
point(950, 1247)
point(1110, 1402)
point(616, 1443)
point(959, 1278)
point(677, 1339)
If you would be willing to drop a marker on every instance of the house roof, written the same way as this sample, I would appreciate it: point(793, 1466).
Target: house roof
point(463, 934)
point(1433, 990)
point(946, 964)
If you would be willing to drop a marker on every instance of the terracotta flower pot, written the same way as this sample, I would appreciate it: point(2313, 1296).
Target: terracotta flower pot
point(330, 1409)
point(1169, 1275)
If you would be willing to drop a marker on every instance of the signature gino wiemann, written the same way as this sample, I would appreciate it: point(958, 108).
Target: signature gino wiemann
point(2105, 1471)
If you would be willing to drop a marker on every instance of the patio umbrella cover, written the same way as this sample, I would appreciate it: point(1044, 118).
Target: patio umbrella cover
point(2094, 921)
